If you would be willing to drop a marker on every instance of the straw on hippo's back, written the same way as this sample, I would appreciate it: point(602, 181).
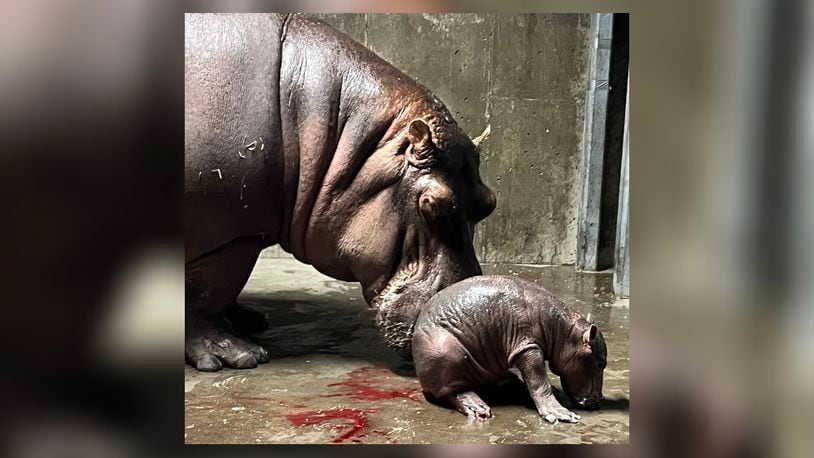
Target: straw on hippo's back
point(470, 334)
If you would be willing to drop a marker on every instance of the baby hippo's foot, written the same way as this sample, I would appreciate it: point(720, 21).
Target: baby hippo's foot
point(471, 405)
point(552, 411)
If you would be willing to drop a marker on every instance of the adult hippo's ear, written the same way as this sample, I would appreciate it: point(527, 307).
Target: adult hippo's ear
point(589, 335)
point(422, 152)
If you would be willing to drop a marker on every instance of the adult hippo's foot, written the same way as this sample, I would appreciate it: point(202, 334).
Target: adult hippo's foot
point(213, 283)
point(209, 348)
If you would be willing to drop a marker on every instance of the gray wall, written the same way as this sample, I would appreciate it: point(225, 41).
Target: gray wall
point(523, 74)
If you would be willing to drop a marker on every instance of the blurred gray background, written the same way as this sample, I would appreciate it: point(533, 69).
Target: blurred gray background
point(722, 109)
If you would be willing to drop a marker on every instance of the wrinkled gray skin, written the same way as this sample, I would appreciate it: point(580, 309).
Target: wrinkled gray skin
point(297, 135)
point(471, 334)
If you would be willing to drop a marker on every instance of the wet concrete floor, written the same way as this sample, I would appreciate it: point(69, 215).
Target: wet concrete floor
point(332, 380)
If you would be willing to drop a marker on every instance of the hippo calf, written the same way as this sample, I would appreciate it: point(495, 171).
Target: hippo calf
point(472, 333)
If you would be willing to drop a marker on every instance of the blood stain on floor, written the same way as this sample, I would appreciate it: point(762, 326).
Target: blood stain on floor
point(354, 427)
point(360, 383)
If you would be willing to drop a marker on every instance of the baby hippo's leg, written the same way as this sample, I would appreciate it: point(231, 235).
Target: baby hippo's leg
point(531, 365)
point(441, 365)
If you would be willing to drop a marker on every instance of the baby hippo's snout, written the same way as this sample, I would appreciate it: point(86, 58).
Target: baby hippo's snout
point(592, 402)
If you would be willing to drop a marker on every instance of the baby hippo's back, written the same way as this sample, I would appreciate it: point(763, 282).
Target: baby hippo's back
point(468, 333)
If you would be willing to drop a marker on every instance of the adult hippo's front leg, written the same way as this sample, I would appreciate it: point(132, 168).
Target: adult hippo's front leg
point(212, 285)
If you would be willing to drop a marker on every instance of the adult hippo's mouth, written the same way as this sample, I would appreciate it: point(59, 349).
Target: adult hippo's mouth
point(397, 304)
point(399, 300)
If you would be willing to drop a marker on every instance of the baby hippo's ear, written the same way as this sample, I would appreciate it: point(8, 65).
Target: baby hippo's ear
point(590, 335)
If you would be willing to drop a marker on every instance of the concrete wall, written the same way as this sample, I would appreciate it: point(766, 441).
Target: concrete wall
point(523, 74)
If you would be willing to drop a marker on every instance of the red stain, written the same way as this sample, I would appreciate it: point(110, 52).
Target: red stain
point(353, 430)
point(360, 385)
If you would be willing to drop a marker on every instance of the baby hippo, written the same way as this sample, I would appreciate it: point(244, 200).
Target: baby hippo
point(470, 334)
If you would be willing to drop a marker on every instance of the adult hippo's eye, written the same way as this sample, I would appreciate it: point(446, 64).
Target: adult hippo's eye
point(436, 202)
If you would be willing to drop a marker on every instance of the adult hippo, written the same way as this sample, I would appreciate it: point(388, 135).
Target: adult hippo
point(297, 135)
